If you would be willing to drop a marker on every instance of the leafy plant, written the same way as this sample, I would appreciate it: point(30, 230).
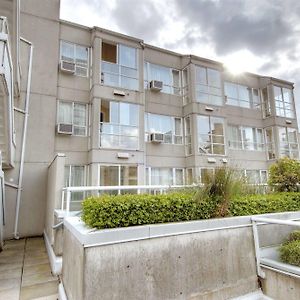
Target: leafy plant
point(284, 175)
point(290, 249)
point(219, 188)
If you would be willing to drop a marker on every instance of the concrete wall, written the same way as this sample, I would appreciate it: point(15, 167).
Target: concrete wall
point(280, 286)
point(210, 259)
point(55, 183)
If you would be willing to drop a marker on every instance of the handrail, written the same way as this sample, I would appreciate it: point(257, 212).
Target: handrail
point(263, 221)
point(68, 190)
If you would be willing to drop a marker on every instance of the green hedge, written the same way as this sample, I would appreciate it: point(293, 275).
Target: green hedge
point(110, 211)
point(290, 250)
point(262, 204)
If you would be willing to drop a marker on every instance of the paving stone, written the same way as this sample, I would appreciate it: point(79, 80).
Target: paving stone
point(52, 297)
point(36, 269)
point(38, 278)
point(12, 283)
point(30, 261)
point(10, 265)
point(10, 294)
point(11, 273)
point(39, 290)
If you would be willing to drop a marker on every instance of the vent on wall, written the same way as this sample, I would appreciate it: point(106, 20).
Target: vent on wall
point(156, 137)
point(67, 67)
point(156, 85)
point(62, 128)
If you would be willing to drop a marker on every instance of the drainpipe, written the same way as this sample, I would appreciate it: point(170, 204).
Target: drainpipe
point(23, 146)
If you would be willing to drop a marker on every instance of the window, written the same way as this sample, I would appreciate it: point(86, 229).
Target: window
point(119, 66)
point(284, 102)
point(118, 175)
point(288, 142)
point(171, 127)
point(205, 174)
point(185, 87)
point(169, 77)
point(256, 176)
point(270, 144)
point(75, 176)
point(266, 103)
point(164, 176)
point(74, 114)
point(75, 54)
point(119, 125)
point(211, 135)
point(240, 95)
point(245, 138)
point(208, 86)
point(188, 135)
point(189, 180)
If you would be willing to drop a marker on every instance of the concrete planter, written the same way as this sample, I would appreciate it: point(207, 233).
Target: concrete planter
point(209, 259)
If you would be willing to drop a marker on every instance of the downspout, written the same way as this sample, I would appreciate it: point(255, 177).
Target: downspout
point(23, 146)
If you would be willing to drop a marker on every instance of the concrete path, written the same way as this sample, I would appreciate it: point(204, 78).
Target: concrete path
point(25, 271)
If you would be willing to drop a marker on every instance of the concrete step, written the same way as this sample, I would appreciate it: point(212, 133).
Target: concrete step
point(257, 295)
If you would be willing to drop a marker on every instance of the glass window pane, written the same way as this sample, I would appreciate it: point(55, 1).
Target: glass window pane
point(67, 51)
point(79, 114)
point(65, 112)
point(213, 78)
point(109, 175)
point(201, 75)
point(231, 90)
point(127, 56)
point(129, 175)
point(217, 126)
point(81, 55)
point(178, 176)
point(109, 53)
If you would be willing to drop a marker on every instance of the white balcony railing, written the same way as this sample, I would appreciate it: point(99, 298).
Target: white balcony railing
point(67, 199)
point(262, 221)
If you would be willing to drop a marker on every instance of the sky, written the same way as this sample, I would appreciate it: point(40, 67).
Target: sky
point(259, 36)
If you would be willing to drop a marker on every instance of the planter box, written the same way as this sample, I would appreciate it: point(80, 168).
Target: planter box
point(209, 259)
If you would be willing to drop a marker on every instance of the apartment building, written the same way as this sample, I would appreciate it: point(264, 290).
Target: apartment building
point(127, 113)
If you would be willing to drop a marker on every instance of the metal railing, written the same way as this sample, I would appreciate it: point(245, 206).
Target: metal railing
point(66, 200)
point(264, 221)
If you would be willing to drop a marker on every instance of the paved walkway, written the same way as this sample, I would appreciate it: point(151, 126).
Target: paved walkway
point(25, 271)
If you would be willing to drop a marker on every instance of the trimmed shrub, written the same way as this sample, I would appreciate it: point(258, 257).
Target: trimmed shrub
point(263, 204)
point(284, 175)
point(108, 211)
point(290, 250)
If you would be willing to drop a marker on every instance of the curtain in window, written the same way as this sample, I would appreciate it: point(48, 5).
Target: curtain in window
point(65, 113)
point(67, 51)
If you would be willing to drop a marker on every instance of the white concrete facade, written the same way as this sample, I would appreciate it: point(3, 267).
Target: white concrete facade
point(208, 117)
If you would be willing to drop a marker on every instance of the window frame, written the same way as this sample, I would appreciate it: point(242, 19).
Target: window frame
point(172, 169)
point(119, 166)
point(75, 45)
point(119, 126)
point(119, 74)
point(147, 79)
point(73, 103)
point(173, 118)
point(284, 103)
point(239, 100)
point(211, 136)
point(242, 141)
point(288, 143)
point(208, 87)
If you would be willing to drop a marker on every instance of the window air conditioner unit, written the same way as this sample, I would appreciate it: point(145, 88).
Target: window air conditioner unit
point(156, 85)
point(67, 67)
point(156, 137)
point(64, 128)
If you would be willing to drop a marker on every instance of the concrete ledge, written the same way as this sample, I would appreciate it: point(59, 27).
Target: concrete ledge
point(258, 295)
point(55, 261)
point(90, 237)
